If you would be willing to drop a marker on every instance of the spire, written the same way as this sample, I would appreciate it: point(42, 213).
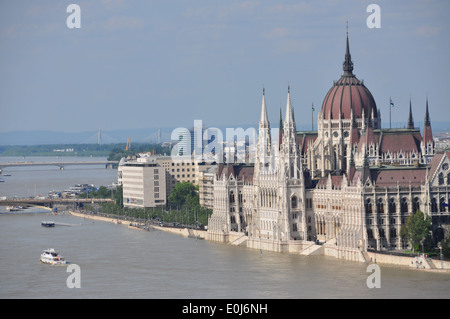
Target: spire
point(410, 118)
point(264, 122)
point(427, 115)
point(280, 131)
point(427, 133)
point(280, 126)
point(289, 121)
point(348, 64)
point(264, 145)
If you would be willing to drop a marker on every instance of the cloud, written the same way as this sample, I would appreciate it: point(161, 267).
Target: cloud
point(123, 22)
point(428, 30)
point(291, 8)
point(279, 32)
point(229, 10)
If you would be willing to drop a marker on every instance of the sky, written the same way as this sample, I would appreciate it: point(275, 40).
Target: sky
point(141, 64)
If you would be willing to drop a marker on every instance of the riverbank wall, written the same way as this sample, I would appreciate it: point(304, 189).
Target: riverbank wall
point(186, 232)
point(298, 247)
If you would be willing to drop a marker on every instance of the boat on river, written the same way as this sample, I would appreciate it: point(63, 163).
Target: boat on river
point(48, 223)
point(52, 257)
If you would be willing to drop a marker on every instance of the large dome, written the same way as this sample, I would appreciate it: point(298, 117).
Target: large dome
point(348, 94)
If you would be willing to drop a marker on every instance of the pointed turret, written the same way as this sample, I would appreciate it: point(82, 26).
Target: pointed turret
point(427, 133)
point(263, 148)
point(410, 117)
point(348, 64)
point(280, 130)
point(289, 122)
point(264, 122)
point(289, 147)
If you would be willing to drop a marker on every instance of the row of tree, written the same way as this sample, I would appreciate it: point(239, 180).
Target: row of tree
point(183, 206)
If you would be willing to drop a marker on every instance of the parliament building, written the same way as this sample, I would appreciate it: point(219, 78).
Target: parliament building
point(342, 190)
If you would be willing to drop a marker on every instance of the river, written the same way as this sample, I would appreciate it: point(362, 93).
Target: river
point(117, 262)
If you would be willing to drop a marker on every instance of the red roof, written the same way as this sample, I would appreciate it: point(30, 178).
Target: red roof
point(241, 172)
point(304, 139)
point(404, 177)
point(346, 94)
point(407, 141)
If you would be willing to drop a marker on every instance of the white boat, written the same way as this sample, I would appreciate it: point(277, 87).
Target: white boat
point(51, 256)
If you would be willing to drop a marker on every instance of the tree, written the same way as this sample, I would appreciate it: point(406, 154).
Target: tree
point(446, 246)
point(118, 195)
point(183, 193)
point(417, 230)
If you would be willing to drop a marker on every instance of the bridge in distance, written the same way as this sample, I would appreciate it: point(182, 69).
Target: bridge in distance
point(61, 165)
point(50, 202)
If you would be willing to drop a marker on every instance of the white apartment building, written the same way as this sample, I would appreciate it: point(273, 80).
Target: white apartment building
point(147, 180)
point(144, 183)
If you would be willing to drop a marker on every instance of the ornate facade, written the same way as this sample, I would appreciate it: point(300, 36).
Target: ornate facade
point(350, 185)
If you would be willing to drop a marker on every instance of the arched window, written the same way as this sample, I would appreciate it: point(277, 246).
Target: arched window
point(441, 179)
point(294, 201)
point(392, 207)
point(404, 205)
point(442, 204)
point(368, 206)
point(231, 197)
point(380, 206)
point(416, 204)
point(434, 207)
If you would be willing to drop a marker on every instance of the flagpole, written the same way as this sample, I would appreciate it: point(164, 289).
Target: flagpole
point(312, 116)
point(390, 107)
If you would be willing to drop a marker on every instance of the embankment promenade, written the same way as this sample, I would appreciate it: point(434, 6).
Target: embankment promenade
point(186, 232)
point(417, 262)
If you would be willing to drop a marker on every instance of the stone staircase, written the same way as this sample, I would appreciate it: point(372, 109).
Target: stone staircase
point(239, 241)
point(312, 249)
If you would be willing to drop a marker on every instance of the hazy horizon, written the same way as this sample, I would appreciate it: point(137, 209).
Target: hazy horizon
point(165, 64)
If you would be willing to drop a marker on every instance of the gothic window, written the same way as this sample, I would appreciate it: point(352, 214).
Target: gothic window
point(294, 201)
point(448, 179)
point(380, 206)
point(441, 179)
point(392, 206)
point(404, 205)
point(416, 205)
point(368, 206)
point(441, 204)
point(434, 207)
point(231, 197)
point(393, 233)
